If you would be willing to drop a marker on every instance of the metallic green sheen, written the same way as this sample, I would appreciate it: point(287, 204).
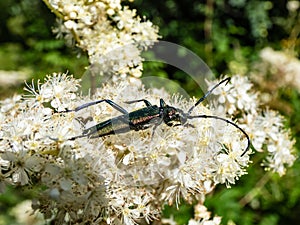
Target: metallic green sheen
point(137, 120)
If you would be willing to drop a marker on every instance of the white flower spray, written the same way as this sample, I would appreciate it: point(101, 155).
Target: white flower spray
point(111, 34)
point(265, 127)
point(126, 177)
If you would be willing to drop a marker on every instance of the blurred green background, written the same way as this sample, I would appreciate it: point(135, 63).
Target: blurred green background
point(227, 35)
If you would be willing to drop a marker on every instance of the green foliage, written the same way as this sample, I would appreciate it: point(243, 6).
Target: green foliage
point(215, 30)
point(28, 44)
point(9, 199)
point(181, 215)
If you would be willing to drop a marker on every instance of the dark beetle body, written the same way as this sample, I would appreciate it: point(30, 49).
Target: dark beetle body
point(124, 123)
point(151, 115)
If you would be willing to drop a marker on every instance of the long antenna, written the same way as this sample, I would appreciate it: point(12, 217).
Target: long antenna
point(216, 117)
point(227, 121)
point(208, 93)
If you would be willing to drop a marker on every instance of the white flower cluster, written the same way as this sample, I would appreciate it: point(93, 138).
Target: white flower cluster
point(265, 127)
point(112, 34)
point(201, 217)
point(283, 66)
point(236, 96)
point(11, 78)
point(25, 214)
point(123, 178)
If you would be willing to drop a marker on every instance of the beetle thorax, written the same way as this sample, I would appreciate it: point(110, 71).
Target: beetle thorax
point(173, 116)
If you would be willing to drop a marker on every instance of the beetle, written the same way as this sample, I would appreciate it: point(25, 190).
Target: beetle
point(151, 115)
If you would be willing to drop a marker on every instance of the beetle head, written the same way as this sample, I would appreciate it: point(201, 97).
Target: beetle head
point(171, 115)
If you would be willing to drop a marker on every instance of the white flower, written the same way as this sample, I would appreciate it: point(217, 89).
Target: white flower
point(236, 96)
point(282, 65)
point(22, 165)
point(70, 25)
point(280, 154)
point(265, 128)
point(292, 6)
point(116, 48)
point(10, 78)
point(202, 217)
point(268, 134)
point(169, 221)
point(25, 214)
point(58, 89)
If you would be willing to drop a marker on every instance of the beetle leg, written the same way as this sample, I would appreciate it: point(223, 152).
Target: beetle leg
point(147, 103)
point(110, 102)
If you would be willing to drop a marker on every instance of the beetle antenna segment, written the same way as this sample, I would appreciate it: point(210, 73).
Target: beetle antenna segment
point(227, 121)
point(207, 94)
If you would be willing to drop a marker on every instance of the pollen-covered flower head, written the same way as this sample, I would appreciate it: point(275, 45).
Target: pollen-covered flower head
point(126, 176)
point(265, 127)
point(112, 34)
point(283, 66)
point(235, 97)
